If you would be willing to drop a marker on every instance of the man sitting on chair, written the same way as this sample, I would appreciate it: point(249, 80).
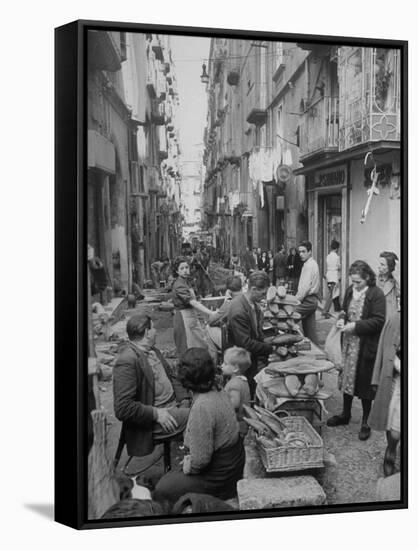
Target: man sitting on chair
point(150, 402)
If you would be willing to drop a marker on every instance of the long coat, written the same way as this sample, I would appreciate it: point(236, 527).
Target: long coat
point(391, 290)
point(383, 371)
point(244, 331)
point(368, 328)
point(279, 266)
point(133, 395)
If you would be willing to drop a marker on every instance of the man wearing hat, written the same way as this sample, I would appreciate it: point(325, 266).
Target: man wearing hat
point(151, 404)
point(308, 290)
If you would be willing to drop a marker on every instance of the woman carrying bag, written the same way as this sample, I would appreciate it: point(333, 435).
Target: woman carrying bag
point(361, 323)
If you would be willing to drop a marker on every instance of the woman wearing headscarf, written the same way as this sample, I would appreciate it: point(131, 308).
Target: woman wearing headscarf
point(387, 282)
point(361, 321)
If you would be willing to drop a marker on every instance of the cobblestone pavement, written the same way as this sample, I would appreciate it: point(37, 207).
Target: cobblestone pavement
point(358, 463)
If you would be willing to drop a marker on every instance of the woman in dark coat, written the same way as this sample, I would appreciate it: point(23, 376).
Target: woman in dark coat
point(294, 268)
point(361, 321)
point(264, 263)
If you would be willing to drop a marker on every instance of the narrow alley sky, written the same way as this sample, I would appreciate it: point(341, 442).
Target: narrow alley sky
point(189, 52)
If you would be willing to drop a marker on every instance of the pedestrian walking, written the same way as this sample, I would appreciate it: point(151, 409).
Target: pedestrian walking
point(248, 262)
point(294, 268)
point(255, 256)
point(160, 271)
point(333, 277)
point(361, 322)
point(263, 262)
point(279, 267)
point(271, 266)
point(308, 290)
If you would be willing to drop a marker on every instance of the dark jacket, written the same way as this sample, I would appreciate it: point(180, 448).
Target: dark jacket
point(368, 328)
point(383, 372)
point(264, 264)
point(248, 262)
point(245, 332)
point(279, 266)
point(133, 397)
point(294, 265)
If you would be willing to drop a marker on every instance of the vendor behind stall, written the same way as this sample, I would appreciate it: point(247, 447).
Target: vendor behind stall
point(245, 323)
point(188, 331)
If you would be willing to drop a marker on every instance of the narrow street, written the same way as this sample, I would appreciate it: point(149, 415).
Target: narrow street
point(226, 168)
point(358, 463)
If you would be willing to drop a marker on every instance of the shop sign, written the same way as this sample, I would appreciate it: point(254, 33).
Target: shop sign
point(331, 177)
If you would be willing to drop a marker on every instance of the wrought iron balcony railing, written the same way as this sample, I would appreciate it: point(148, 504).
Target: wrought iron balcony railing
point(319, 128)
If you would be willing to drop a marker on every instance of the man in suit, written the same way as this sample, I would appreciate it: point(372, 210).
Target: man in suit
point(151, 404)
point(245, 323)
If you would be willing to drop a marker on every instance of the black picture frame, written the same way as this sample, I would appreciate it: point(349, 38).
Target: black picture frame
point(71, 381)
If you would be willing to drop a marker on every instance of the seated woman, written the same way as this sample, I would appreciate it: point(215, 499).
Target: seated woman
point(216, 453)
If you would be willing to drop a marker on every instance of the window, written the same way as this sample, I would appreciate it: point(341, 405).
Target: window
point(278, 60)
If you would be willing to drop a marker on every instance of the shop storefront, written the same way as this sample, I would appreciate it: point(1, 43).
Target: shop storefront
point(328, 215)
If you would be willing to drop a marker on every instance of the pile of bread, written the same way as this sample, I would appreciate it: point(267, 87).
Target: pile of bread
point(293, 369)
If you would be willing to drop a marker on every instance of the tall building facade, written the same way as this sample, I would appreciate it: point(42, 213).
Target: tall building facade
point(192, 171)
point(133, 154)
point(289, 129)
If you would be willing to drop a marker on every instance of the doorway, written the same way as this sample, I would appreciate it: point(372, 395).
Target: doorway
point(330, 226)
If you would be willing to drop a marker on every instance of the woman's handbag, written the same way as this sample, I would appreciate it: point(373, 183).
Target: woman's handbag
point(333, 347)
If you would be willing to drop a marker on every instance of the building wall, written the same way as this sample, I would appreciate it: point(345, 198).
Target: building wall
point(107, 116)
point(381, 230)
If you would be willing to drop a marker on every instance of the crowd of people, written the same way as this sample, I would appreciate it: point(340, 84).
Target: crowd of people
point(202, 401)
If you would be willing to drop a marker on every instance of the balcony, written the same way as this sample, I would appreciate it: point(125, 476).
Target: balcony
point(256, 105)
point(319, 128)
point(157, 112)
point(369, 97)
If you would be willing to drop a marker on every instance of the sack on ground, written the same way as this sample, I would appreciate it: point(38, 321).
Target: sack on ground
point(333, 346)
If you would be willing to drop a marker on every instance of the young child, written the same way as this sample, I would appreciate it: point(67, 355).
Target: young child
point(236, 362)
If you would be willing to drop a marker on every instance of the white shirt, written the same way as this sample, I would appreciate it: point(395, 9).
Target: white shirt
point(309, 282)
point(333, 267)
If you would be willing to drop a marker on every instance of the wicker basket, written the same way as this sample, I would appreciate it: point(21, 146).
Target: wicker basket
point(290, 459)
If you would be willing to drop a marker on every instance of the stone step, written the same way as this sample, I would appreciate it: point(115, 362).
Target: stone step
point(283, 492)
point(389, 488)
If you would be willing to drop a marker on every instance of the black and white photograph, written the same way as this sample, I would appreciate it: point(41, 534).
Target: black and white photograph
point(244, 274)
